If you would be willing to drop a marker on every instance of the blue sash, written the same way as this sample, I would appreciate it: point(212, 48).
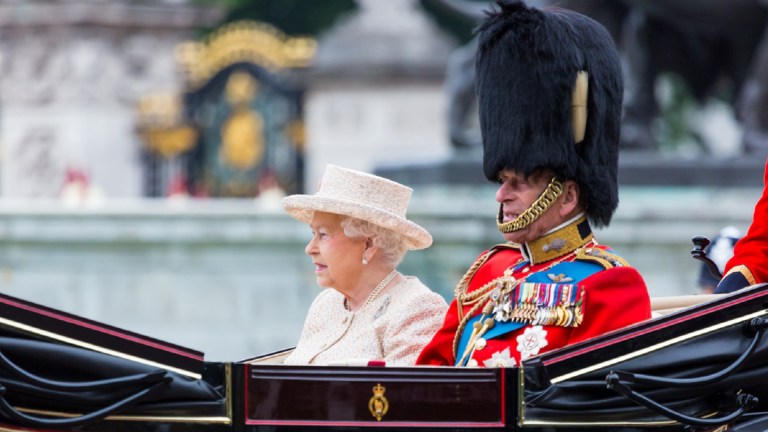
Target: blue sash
point(498, 329)
point(576, 271)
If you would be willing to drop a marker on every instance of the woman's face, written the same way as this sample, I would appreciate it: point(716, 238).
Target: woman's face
point(337, 258)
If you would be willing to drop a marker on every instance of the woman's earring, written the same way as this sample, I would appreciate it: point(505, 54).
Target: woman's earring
point(365, 261)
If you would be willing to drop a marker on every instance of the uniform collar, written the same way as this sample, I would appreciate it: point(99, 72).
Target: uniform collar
point(560, 241)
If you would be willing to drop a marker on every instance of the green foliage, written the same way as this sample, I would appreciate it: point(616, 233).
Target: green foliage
point(460, 27)
point(676, 105)
point(293, 17)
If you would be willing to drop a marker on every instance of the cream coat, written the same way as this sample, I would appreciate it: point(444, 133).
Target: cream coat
point(394, 327)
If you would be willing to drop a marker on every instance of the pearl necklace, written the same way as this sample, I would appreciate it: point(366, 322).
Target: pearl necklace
point(372, 296)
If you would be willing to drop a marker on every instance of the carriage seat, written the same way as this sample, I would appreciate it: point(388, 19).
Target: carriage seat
point(664, 305)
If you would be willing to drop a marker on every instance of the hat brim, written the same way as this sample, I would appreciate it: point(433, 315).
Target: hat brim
point(303, 207)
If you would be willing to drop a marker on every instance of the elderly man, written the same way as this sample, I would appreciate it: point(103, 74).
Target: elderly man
point(549, 88)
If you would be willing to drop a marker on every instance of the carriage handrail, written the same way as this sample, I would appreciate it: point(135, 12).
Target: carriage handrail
point(698, 252)
point(758, 325)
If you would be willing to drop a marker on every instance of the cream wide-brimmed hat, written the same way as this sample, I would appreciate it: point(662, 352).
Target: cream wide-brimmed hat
point(363, 196)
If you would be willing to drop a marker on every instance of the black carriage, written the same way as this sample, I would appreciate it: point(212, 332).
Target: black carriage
point(699, 368)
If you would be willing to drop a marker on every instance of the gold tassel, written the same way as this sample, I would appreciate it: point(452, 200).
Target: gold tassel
point(579, 106)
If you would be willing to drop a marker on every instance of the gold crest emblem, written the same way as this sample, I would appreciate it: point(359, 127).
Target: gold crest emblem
point(378, 405)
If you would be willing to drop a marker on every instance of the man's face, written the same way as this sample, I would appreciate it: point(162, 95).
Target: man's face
point(516, 193)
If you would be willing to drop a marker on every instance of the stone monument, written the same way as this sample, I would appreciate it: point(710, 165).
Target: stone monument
point(376, 93)
point(71, 73)
point(708, 155)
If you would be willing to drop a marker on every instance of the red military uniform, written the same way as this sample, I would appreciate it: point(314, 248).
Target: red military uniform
point(749, 264)
point(549, 90)
point(564, 289)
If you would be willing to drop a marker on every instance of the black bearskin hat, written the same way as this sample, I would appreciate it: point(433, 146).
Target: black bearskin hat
point(527, 63)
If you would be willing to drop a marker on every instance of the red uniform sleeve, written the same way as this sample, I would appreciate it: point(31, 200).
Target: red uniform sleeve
point(613, 299)
point(751, 250)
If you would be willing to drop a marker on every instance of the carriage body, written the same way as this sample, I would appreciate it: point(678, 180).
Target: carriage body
point(698, 368)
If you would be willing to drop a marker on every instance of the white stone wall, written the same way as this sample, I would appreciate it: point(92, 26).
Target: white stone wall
point(71, 75)
point(375, 93)
point(231, 279)
point(365, 126)
point(42, 143)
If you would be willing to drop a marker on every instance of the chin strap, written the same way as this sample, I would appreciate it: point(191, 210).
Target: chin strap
point(551, 193)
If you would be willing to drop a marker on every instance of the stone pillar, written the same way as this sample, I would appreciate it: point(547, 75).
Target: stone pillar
point(71, 73)
point(376, 90)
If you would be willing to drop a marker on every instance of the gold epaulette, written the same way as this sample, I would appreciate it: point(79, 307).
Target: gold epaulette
point(461, 287)
point(745, 271)
point(463, 298)
point(606, 258)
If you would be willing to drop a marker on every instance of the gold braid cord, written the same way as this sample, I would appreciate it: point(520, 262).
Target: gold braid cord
point(464, 298)
point(460, 293)
point(551, 194)
point(478, 298)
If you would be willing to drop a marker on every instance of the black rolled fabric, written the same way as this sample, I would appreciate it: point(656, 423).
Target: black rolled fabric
point(586, 398)
point(59, 378)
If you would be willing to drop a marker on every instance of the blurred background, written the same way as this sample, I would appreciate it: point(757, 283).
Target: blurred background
point(145, 146)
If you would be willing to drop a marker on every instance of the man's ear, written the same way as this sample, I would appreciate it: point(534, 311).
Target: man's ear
point(569, 201)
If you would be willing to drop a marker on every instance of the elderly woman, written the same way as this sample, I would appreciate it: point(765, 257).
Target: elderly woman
point(359, 236)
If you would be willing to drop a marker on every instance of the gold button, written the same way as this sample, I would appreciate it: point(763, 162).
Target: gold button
point(472, 363)
point(526, 270)
point(480, 344)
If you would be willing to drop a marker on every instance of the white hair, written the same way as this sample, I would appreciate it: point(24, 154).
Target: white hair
point(390, 243)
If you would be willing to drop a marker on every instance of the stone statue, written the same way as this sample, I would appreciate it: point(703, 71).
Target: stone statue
point(460, 85)
point(460, 78)
point(711, 44)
